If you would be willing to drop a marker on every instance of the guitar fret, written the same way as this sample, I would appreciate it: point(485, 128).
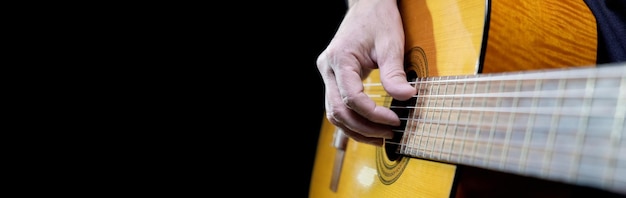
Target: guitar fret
point(432, 142)
point(411, 123)
point(440, 116)
point(551, 137)
point(616, 135)
point(432, 103)
point(415, 134)
point(441, 113)
point(408, 133)
point(423, 88)
point(539, 149)
point(466, 130)
point(458, 115)
point(431, 115)
point(509, 128)
point(477, 131)
point(494, 121)
point(582, 126)
point(539, 111)
point(423, 114)
point(528, 133)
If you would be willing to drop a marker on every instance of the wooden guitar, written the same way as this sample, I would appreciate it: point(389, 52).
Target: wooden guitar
point(509, 103)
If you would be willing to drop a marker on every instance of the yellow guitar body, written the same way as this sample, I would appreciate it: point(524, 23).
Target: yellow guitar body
point(447, 38)
point(359, 174)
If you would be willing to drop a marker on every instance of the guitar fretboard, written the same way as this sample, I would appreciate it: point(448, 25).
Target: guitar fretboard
point(563, 125)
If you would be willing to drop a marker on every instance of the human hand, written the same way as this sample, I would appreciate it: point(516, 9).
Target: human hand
point(370, 37)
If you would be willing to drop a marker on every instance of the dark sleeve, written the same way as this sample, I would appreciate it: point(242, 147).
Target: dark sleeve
point(611, 21)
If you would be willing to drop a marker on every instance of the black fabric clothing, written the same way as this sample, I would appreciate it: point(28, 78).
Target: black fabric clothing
point(611, 22)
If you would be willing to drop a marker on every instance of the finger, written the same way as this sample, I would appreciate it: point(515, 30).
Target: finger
point(389, 54)
point(352, 94)
point(360, 138)
point(393, 76)
point(395, 83)
point(354, 122)
point(357, 136)
point(340, 115)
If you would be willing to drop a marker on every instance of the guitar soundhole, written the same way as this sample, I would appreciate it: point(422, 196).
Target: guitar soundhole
point(392, 147)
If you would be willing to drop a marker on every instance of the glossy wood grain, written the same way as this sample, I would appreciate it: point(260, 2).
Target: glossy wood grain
point(529, 35)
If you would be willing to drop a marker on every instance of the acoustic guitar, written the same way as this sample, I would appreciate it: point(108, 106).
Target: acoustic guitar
point(510, 103)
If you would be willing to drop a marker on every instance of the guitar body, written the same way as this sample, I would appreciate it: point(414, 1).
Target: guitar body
point(449, 38)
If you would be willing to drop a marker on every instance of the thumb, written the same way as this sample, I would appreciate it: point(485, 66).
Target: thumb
point(394, 80)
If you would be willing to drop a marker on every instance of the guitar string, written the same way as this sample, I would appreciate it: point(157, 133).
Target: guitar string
point(531, 163)
point(537, 110)
point(518, 144)
point(582, 74)
point(618, 71)
point(598, 112)
point(606, 92)
point(614, 71)
point(485, 156)
point(539, 131)
point(607, 72)
point(601, 93)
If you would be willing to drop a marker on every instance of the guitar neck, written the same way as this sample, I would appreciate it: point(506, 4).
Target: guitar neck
point(564, 125)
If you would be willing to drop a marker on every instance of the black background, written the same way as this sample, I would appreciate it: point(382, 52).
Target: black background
point(280, 104)
point(219, 98)
point(308, 33)
point(239, 99)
